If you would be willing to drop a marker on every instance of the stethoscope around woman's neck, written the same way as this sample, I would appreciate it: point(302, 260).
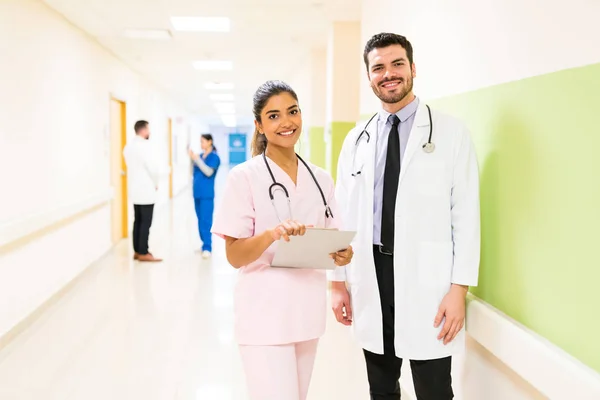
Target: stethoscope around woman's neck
point(275, 184)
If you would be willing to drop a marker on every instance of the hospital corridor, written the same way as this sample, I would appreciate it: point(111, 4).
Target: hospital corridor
point(307, 200)
point(127, 330)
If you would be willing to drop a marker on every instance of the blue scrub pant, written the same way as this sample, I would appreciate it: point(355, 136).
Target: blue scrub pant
point(204, 213)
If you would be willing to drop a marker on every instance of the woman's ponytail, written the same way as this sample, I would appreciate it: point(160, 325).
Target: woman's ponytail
point(259, 143)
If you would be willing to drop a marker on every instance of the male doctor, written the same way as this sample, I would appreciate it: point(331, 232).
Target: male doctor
point(143, 184)
point(415, 207)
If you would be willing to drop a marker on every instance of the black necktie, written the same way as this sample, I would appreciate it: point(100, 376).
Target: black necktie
point(390, 185)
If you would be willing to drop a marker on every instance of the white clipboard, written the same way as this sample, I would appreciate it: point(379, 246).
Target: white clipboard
point(312, 250)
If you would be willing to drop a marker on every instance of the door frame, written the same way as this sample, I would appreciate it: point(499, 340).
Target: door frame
point(170, 135)
point(124, 197)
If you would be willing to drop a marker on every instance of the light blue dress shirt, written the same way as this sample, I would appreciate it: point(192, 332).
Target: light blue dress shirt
point(384, 126)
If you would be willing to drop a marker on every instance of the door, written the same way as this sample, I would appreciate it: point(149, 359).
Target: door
point(118, 176)
point(170, 135)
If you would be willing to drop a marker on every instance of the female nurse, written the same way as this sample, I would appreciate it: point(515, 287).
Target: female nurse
point(205, 170)
point(279, 312)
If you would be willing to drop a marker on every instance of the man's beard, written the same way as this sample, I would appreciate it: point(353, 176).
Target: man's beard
point(393, 98)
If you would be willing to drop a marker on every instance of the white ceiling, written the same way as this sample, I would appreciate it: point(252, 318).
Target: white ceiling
point(269, 39)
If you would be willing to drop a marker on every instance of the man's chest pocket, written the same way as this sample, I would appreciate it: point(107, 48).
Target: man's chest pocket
point(431, 177)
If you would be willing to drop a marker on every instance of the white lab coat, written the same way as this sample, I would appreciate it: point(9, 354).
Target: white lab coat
point(437, 233)
point(142, 171)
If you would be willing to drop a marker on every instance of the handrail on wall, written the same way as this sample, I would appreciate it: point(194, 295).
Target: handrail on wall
point(20, 229)
point(544, 365)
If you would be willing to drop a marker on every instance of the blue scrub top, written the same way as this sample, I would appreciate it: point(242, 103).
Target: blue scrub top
point(204, 186)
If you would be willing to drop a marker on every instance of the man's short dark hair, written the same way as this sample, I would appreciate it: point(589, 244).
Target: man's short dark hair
point(140, 125)
point(385, 39)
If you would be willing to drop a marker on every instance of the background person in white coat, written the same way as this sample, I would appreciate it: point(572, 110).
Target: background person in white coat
point(416, 214)
point(143, 175)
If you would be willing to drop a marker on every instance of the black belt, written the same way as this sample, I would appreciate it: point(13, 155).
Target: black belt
point(383, 250)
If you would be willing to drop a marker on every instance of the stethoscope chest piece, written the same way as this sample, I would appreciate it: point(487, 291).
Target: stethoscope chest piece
point(428, 147)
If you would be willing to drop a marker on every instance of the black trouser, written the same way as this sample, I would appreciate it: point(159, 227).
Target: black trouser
point(431, 378)
point(141, 227)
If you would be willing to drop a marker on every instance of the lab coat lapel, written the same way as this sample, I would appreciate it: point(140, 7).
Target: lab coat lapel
point(418, 131)
point(370, 161)
point(369, 169)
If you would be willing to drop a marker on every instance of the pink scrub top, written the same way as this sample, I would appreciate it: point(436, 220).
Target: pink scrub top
point(275, 306)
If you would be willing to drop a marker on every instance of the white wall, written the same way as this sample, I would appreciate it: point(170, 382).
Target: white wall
point(55, 83)
point(464, 45)
point(182, 132)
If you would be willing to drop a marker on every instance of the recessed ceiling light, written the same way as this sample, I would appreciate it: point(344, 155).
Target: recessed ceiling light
point(153, 34)
point(213, 65)
point(201, 24)
point(219, 85)
point(229, 120)
point(225, 108)
point(222, 97)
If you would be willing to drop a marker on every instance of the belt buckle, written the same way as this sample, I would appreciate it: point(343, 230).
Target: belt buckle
point(382, 251)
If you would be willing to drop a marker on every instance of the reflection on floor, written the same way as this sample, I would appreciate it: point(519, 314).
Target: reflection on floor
point(155, 331)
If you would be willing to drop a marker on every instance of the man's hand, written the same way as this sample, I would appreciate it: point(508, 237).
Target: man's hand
point(453, 309)
point(343, 257)
point(340, 303)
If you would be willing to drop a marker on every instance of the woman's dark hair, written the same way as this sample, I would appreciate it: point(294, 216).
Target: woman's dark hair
point(208, 136)
point(261, 97)
point(385, 39)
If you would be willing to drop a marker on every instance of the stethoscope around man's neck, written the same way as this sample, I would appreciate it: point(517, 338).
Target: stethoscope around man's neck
point(275, 184)
point(428, 147)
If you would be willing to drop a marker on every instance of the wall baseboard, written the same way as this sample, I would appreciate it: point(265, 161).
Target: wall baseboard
point(549, 369)
point(26, 322)
point(25, 258)
point(89, 266)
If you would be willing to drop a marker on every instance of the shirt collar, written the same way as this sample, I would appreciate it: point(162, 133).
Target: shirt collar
point(408, 111)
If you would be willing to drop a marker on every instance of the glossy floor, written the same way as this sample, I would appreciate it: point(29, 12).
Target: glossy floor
point(129, 330)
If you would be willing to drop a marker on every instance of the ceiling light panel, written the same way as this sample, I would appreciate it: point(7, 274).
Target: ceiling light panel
point(222, 97)
point(201, 24)
point(229, 121)
point(151, 34)
point(213, 65)
point(225, 108)
point(219, 85)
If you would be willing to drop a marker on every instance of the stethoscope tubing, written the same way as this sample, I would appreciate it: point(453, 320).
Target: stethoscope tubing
point(275, 184)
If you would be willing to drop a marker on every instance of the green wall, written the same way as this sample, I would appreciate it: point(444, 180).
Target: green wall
point(538, 144)
point(316, 138)
point(339, 130)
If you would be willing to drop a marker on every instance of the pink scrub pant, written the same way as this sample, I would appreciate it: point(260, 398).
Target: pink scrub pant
point(279, 372)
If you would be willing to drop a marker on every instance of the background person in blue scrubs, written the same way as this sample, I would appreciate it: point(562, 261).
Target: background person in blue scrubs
point(205, 170)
